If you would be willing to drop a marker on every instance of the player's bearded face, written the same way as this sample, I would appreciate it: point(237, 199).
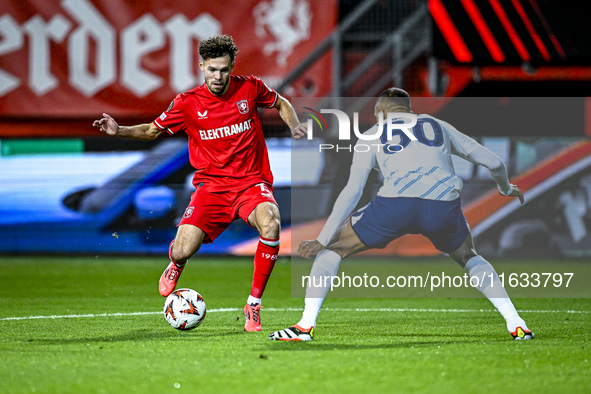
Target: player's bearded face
point(216, 72)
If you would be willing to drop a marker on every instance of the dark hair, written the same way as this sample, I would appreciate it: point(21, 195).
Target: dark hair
point(395, 97)
point(218, 46)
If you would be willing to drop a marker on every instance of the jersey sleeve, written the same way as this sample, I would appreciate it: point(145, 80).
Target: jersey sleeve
point(173, 119)
point(266, 97)
point(363, 163)
point(496, 167)
point(363, 160)
point(461, 144)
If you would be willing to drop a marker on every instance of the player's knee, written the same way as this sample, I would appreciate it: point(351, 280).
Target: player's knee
point(267, 220)
point(461, 256)
point(271, 227)
point(466, 257)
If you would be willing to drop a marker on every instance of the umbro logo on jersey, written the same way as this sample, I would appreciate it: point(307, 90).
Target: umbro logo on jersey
point(242, 106)
point(202, 115)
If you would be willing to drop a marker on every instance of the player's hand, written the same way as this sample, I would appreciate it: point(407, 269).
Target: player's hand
point(309, 249)
point(107, 125)
point(515, 192)
point(300, 131)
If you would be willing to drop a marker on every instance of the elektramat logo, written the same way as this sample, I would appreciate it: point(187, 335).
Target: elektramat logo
point(398, 124)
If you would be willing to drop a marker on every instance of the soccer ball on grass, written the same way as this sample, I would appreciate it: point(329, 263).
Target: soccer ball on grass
point(184, 309)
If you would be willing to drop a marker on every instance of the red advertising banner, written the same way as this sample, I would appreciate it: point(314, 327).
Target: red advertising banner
point(74, 59)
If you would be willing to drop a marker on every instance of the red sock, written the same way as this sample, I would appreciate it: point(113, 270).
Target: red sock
point(264, 261)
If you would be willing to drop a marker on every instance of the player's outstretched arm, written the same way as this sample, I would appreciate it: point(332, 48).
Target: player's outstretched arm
point(289, 116)
point(498, 171)
point(142, 132)
point(343, 206)
point(362, 164)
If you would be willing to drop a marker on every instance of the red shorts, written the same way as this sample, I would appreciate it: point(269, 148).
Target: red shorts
point(213, 212)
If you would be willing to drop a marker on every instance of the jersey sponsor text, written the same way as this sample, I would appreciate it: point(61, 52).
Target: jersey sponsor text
point(225, 131)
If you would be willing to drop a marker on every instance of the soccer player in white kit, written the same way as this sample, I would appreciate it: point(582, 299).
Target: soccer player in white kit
point(420, 195)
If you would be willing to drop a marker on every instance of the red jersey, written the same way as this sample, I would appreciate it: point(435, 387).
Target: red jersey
point(226, 143)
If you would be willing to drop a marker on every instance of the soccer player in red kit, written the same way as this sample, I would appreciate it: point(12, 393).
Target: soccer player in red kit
point(227, 148)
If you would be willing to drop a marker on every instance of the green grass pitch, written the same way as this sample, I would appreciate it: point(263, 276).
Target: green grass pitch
point(123, 345)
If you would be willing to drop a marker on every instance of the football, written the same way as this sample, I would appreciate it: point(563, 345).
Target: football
point(184, 309)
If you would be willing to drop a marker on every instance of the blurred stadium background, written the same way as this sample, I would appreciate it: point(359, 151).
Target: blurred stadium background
point(64, 188)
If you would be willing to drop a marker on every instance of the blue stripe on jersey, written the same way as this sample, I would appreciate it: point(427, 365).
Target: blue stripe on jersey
point(407, 175)
point(439, 197)
point(397, 180)
point(432, 169)
point(430, 190)
point(409, 184)
point(435, 186)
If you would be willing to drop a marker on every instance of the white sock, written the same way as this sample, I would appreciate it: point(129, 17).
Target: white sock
point(253, 300)
point(492, 289)
point(325, 265)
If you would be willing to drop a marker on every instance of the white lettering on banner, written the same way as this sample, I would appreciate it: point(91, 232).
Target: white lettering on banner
point(143, 36)
point(140, 38)
point(40, 33)
point(226, 131)
point(181, 33)
point(12, 40)
point(92, 26)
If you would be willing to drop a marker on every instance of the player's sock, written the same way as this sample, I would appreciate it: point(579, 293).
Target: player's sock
point(326, 265)
point(253, 300)
point(493, 289)
point(180, 265)
point(264, 261)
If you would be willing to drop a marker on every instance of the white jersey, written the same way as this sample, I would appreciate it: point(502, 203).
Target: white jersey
point(423, 168)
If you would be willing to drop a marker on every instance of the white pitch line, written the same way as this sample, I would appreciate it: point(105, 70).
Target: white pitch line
point(445, 310)
point(77, 316)
point(104, 315)
point(292, 309)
